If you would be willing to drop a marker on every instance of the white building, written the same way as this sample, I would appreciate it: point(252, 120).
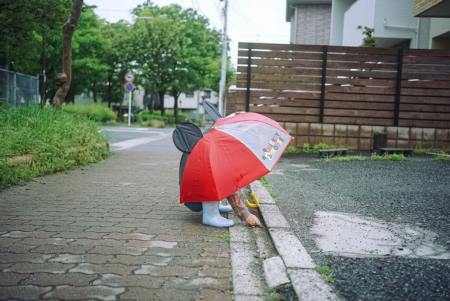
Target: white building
point(407, 23)
point(192, 102)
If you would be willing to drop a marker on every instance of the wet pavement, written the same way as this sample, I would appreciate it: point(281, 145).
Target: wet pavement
point(111, 231)
point(382, 227)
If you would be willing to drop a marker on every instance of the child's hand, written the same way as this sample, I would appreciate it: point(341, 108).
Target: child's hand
point(253, 221)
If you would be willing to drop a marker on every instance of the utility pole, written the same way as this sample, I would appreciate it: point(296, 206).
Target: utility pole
point(223, 75)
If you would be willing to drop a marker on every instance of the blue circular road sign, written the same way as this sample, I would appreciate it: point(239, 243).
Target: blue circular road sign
point(129, 87)
point(129, 77)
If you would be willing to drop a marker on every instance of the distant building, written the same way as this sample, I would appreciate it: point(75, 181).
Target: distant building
point(397, 23)
point(192, 102)
point(310, 21)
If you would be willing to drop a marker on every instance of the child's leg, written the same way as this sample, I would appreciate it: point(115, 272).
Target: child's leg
point(211, 215)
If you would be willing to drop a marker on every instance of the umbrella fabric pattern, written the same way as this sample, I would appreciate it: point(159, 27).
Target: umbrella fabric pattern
point(238, 150)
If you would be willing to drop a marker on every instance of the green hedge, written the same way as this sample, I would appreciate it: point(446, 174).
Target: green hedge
point(146, 117)
point(56, 140)
point(96, 112)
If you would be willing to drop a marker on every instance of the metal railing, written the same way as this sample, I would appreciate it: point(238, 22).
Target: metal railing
point(17, 89)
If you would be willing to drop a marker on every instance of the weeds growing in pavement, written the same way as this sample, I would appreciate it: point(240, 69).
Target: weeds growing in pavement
point(224, 236)
point(267, 185)
point(442, 157)
point(53, 140)
point(345, 158)
point(424, 150)
point(326, 273)
point(280, 293)
point(391, 157)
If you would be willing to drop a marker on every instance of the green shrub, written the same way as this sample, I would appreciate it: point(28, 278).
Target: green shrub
point(182, 117)
point(146, 118)
point(54, 139)
point(291, 149)
point(306, 148)
point(321, 146)
point(96, 112)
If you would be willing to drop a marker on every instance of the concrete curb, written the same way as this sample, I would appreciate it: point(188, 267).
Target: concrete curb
point(296, 261)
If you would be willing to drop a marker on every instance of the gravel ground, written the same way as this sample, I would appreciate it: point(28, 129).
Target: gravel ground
point(415, 192)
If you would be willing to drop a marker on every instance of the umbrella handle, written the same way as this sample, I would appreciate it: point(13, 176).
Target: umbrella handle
point(255, 199)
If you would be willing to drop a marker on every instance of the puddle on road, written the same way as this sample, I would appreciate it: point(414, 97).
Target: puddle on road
point(352, 235)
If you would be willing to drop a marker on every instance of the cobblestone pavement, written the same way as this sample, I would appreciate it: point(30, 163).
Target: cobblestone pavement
point(113, 230)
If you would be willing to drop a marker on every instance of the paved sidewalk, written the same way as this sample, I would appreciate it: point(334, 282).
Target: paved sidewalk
point(113, 230)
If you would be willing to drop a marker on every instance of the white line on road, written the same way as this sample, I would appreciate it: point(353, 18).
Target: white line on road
point(118, 146)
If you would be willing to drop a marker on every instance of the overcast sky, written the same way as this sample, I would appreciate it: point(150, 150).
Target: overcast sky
point(248, 20)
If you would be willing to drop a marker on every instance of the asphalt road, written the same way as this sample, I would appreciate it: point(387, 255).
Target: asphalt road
point(380, 226)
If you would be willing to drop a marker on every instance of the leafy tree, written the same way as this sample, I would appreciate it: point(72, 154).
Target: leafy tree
point(31, 38)
point(368, 39)
point(176, 50)
point(118, 54)
point(89, 55)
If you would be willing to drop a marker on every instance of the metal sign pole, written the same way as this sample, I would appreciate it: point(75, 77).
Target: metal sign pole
point(129, 109)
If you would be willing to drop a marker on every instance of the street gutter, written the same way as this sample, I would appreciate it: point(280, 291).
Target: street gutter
point(296, 262)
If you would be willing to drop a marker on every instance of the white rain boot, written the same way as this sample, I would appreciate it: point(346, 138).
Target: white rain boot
point(212, 217)
point(224, 208)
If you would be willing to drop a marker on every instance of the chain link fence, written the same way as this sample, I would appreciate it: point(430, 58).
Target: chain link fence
point(18, 89)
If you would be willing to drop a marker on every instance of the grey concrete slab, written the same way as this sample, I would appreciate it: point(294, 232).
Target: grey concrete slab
point(275, 272)
point(245, 277)
point(309, 286)
point(240, 233)
point(273, 218)
point(263, 195)
point(291, 249)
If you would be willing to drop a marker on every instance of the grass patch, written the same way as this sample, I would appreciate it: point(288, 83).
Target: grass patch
point(442, 157)
point(54, 140)
point(345, 158)
point(224, 236)
point(267, 185)
point(424, 150)
point(326, 273)
point(391, 157)
point(307, 148)
point(95, 112)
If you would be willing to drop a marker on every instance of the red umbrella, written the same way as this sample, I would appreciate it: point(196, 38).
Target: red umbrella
point(238, 150)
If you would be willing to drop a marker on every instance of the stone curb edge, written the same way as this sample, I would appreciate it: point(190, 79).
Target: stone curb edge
point(298, 264)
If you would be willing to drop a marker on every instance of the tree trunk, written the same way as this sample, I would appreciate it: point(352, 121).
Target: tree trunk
point(109, 90)
point(94, 92)
point(43, 68)
point(152, 102)
point(175, 95)
point(64, 79)
point(161, 102)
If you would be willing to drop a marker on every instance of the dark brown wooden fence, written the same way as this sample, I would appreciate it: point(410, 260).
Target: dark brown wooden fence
point(344, 85)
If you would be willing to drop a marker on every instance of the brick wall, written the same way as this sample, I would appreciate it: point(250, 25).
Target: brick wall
point(360, 137)
point(311, 24)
